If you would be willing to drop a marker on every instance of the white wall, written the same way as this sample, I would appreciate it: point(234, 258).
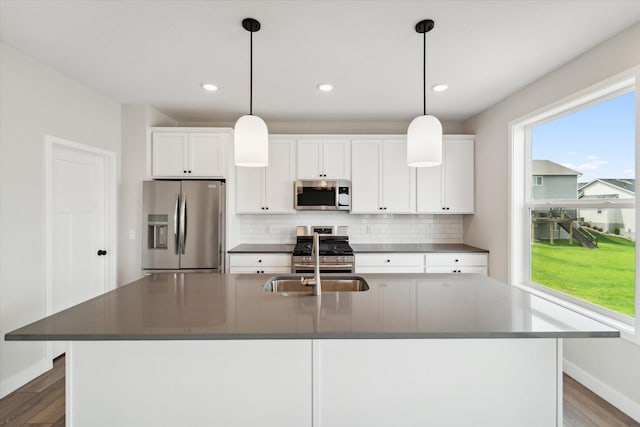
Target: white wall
point(332, 127)
point(362, 228)
point(136, 120)
point(609, 361)
point(35, 101)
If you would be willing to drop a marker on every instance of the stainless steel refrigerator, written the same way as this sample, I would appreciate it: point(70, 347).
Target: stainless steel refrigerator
point(183, 223)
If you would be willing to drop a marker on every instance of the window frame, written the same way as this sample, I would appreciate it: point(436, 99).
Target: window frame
point(520, 203)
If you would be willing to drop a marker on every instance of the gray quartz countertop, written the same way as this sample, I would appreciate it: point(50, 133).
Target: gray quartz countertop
point(201, 306)
point(256, 248)
point(249, 248)
point(413, 247)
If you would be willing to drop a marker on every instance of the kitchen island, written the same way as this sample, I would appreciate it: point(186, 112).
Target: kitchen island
point(414, 349)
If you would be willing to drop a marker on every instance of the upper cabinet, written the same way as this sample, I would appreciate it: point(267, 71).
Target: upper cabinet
point(381, 180)
point(449, 188)
point(268, 190)
point(327, 158)
point(182, 153)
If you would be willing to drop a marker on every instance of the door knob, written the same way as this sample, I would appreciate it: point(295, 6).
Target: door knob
point(102, 252)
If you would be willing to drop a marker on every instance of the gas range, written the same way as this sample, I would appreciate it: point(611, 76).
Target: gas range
point(336, 256)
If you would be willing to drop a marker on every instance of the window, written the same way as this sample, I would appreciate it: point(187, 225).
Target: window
point(574, 237)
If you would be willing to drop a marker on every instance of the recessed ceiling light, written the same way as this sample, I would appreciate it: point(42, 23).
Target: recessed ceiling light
point(210, 87)
point(325, 87)
point(439, 87)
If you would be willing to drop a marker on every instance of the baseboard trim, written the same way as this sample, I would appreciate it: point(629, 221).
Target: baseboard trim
point(14, 382)
point(603, 390)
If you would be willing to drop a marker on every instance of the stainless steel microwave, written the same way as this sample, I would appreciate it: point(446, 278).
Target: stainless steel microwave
point(323, 195)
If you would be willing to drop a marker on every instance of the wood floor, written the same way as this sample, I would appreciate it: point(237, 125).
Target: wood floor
point(41, 404)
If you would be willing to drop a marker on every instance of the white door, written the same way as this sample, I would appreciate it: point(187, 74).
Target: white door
point(458, 176)
point(365, 176)
point(399, 180)
point(280, 176)
point(79, 244)
point(336, 159)
point(309, 159)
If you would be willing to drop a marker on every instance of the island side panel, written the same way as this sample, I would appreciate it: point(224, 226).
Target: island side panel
point(174, 383)
point(465, 382)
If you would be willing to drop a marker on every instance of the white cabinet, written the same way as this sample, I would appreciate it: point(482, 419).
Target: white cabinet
point(381, 180)
point(188, 154)
point(262, 263)
point(324, 159)
point(389, 263)
point(456, 263)
point(270, 189)
point(449, 188)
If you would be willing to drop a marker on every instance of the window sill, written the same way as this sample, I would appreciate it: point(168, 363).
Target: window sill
point(627, 331)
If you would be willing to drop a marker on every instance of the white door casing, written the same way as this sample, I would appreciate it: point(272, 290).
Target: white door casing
point(79, 222)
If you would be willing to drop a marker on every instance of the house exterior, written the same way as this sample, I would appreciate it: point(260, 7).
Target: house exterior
point(550, 180)
point(612, 220)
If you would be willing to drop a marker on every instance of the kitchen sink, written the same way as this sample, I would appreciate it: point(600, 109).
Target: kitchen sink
point(329, 284)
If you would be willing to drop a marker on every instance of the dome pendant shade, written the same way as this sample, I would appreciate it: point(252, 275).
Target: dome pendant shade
point(250, 134)
point(424, 142)
point(251, 142)
point(424, 136)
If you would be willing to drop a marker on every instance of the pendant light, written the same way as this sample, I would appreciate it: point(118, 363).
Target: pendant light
point(424, 136)
point(251, 136)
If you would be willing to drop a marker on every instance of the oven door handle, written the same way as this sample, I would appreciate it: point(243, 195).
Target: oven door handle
point(323, 265)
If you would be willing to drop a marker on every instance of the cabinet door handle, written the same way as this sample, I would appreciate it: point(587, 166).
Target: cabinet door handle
point(259, 260)
point(456, 260)
point(388, 260)
point(184, 171)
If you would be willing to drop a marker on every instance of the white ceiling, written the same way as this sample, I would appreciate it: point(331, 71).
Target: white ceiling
point(158, 52)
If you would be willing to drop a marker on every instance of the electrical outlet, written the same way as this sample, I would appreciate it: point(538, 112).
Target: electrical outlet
point(132, 234)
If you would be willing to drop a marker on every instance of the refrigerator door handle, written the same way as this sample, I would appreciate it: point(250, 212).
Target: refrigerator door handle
point(176, 232)
point(183, 223)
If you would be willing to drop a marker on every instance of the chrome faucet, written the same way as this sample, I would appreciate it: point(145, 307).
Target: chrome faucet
point(315, 280)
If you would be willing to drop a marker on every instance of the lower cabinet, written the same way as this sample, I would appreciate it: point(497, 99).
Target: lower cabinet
point(260, 263)
point(456, 263)
point(459, 262)
point(319, 383)
point(389, 263)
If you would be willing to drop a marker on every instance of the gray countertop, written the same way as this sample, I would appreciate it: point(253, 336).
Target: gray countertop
point(413, 247)
point(258, 248)
point(230, 306)
point(249, 248)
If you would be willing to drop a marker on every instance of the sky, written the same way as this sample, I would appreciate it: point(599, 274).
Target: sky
point(598, 141)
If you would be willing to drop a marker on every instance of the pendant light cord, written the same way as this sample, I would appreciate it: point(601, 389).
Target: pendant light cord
point(251, 73)
point(424, 73)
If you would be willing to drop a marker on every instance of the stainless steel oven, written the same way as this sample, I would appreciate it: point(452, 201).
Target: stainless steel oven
point(328, 264)
point(336, 256)
point(325, 195)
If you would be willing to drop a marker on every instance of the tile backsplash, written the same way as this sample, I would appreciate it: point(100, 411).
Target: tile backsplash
point(362, 228)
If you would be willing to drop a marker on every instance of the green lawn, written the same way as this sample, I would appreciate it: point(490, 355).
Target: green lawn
point(603, 276)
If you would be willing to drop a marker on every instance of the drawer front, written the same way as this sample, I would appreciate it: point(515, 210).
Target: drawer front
point(264, 269)
point(389, 260)
point(394, 269)
point(456, 269)
point(260, 260)
point(457, 259)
